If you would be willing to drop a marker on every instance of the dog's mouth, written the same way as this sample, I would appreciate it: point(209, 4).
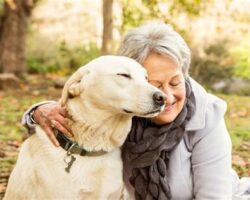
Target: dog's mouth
point(158, 110)
point(155, 111)
point(128, 111)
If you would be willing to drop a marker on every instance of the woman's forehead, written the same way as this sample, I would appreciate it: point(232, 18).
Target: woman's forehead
point(164, 77)
point(161, 66)
point(158, 60)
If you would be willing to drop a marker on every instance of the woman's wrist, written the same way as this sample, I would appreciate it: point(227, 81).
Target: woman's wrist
point(31, 115)
point(26, 119)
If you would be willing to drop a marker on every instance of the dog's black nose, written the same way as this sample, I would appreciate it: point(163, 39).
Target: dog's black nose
point(158, 98)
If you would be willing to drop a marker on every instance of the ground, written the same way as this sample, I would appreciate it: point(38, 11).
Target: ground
point(37, 88)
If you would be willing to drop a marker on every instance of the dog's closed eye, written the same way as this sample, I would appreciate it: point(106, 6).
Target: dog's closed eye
point(124, 75)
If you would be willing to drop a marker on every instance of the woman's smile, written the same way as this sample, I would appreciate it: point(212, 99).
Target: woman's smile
point(169, 107)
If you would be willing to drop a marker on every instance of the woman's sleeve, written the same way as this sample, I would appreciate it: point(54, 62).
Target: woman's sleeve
point(26, 119)
point(211, 161)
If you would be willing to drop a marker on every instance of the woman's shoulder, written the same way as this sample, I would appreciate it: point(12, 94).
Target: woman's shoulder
point(209, 109)
point(208, 122)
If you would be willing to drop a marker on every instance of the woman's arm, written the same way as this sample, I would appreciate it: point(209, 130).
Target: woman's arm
point(27, 120)
point(48, 115)
point(211, 163)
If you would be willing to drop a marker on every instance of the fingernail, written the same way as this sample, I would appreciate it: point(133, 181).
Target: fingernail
point(70, 134)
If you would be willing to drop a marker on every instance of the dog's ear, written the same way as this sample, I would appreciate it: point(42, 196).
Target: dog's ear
point(73, 86)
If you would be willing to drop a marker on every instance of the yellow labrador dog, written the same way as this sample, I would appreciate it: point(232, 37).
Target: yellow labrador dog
point(101, 98)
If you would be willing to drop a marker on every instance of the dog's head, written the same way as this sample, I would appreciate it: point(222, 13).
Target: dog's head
point(117, 84)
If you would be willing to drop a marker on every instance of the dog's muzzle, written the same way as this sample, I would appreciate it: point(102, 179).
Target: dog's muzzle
point(159, 99)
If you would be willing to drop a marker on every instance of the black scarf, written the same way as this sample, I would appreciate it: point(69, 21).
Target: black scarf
point(147, 150)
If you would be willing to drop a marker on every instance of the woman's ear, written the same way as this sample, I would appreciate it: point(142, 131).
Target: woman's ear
point(73, 85)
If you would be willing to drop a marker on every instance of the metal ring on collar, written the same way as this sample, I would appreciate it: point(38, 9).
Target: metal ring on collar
point(69, 150)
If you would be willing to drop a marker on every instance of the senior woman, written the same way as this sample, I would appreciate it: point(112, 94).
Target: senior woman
point(185, 152)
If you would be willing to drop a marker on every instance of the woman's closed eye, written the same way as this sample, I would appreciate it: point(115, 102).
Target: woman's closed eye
point(175, 84)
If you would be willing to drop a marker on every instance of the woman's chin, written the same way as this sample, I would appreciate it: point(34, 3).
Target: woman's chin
point(164, 118)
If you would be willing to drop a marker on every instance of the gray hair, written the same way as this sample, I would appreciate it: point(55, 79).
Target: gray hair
point(156, 37)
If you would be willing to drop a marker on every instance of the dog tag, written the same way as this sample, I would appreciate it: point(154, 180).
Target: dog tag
point(70, 163)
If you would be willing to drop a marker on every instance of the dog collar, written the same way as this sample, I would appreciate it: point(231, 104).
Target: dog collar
point(73, 148)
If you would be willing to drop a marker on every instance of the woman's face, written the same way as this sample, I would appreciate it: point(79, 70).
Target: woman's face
point(164, 74)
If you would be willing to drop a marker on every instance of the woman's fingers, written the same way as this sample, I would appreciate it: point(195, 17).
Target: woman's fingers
point(50, 133)
point(45, 125)
point(60, 127)
point(62, 124)
point(52, 116)
point(63, 112)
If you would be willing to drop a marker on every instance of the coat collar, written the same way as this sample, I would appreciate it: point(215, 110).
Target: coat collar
point(201, 101)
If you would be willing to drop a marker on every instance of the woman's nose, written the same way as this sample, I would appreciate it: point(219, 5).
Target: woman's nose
point(169, 96)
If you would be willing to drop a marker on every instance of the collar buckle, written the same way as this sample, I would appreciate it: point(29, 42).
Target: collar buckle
point(70, 148)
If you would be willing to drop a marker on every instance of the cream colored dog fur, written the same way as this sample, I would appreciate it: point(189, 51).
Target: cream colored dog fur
point(101, 97)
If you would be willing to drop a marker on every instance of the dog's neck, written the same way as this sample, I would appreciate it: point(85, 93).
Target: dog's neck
point(96, 129)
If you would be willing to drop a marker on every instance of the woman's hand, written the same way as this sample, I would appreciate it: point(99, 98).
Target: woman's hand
point(50, 116)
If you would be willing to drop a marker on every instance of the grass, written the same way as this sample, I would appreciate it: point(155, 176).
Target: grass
point(238, 118)
point(238, 123)
point(13, 103)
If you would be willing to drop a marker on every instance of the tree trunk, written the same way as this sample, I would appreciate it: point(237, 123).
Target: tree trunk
point(107, 26)
point(13, 27)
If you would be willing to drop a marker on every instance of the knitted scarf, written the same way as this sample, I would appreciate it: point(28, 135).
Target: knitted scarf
point(147, 150)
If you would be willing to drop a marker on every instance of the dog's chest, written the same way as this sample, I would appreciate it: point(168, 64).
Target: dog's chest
point(89, 177)
point(95, 177)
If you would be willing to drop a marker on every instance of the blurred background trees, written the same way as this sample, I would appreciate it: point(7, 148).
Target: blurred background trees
point(14, 16)
point(42, 40)
point(62, 35)
point(107, 33)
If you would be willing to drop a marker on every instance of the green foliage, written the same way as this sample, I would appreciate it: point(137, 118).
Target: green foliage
point(237, 121)
point(78, 56)
point(238, 115)
point(192, 8)
point(1, 7)
point(11, 112)
point(223, 61)
point(215, 66)
point(132, 15)
point(136, 12)
point(38, 65)
point(153, 8)
point(61, 58)
point(241, 54)
point(243, 16)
